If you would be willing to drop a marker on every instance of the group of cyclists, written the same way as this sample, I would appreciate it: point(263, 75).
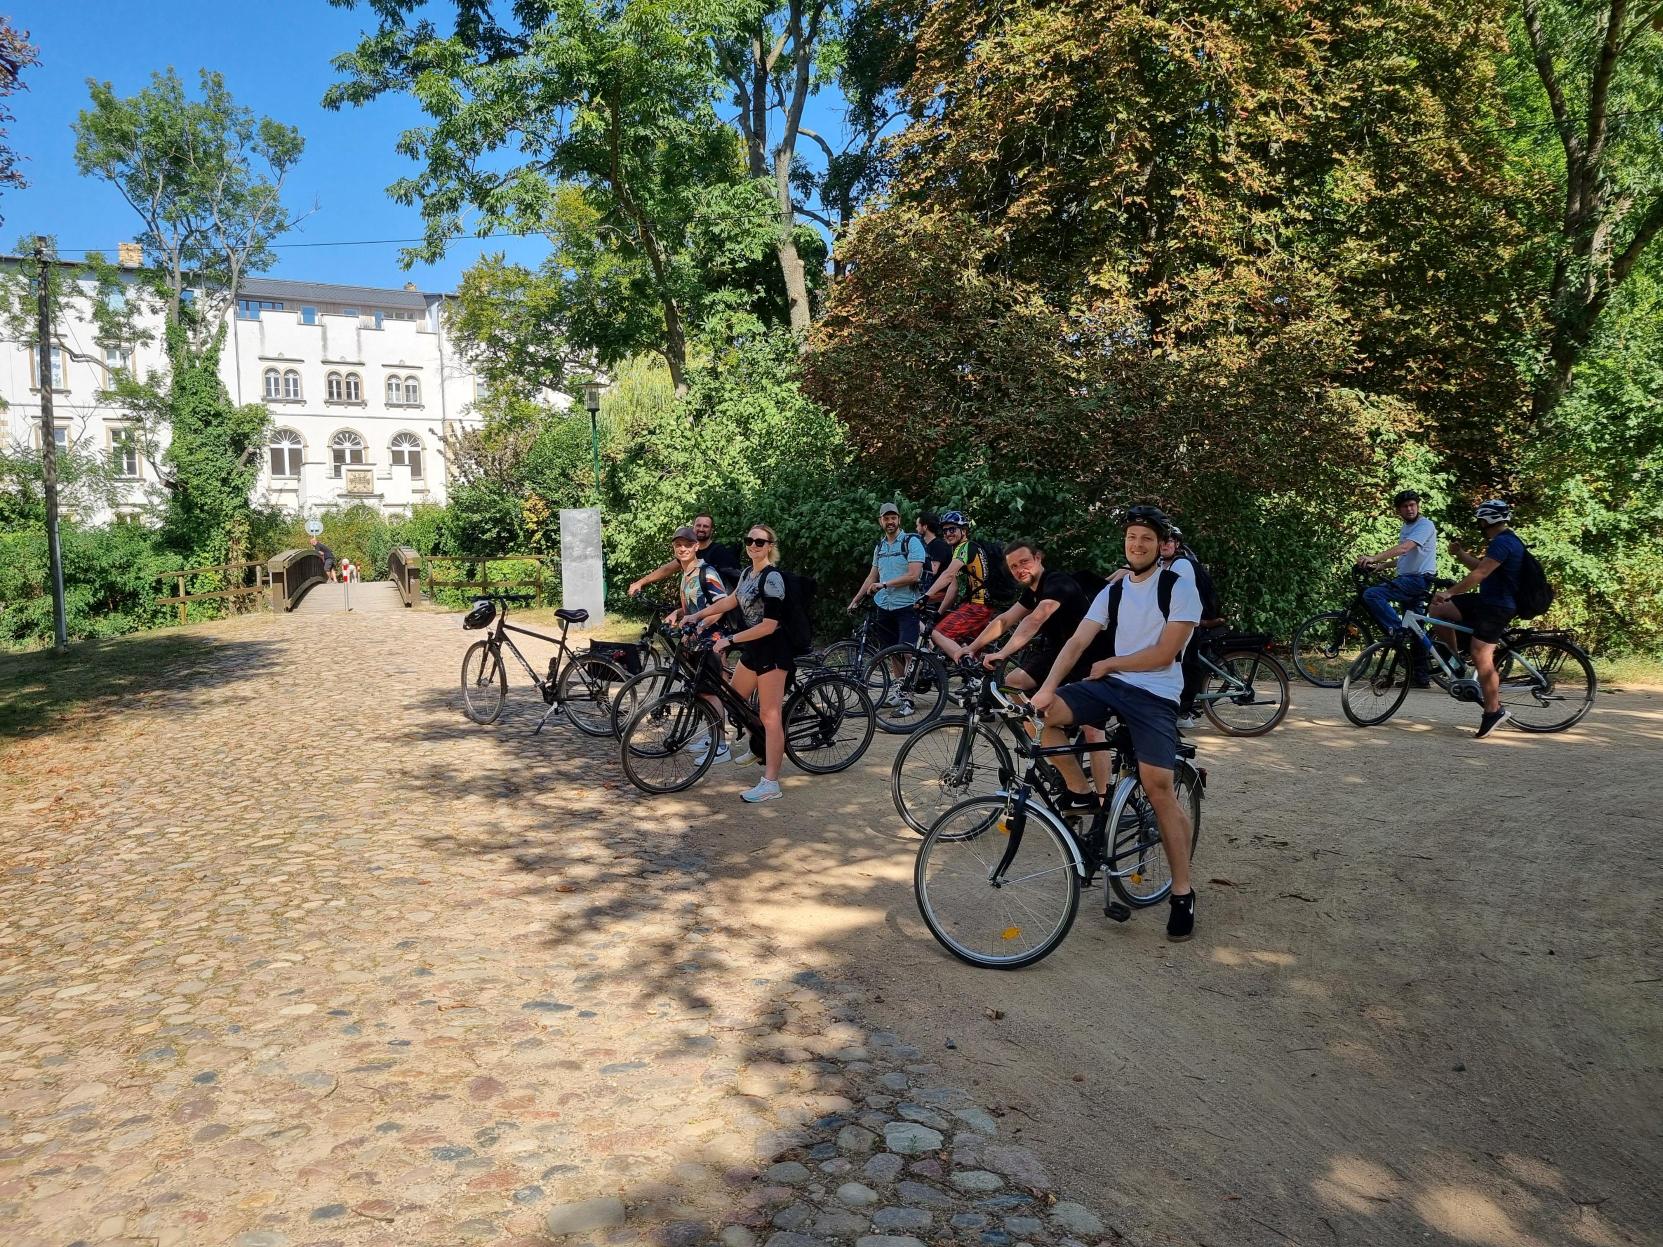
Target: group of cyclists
point(1121, 650)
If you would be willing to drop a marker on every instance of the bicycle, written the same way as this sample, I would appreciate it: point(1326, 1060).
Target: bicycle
point(670, 743)
point(1324, 646)
point(655, 680)
point(998, 878)
point(1547, 680)
point(579, 686)
point(1238, 668)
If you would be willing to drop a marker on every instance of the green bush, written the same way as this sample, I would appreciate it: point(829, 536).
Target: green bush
point(111, 582)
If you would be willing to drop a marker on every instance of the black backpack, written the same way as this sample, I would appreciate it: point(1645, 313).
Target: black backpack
point(731, 621)
point(1091, 583)
point(799, 611)
point(1163, 599)
point(1533, 595)
point(1001, 586)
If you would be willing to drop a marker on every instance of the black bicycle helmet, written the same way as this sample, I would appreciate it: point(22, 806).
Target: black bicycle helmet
point(1173, 532)
point(483, 612)
point(1149, 517)
point(1402, 496)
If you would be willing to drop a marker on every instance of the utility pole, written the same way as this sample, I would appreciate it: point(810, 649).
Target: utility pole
point(49, 447)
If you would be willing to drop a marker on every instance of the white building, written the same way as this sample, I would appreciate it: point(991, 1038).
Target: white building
point(362, 385)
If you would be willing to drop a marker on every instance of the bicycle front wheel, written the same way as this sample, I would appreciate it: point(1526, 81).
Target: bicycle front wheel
point(913, 686)
point(828, 724)
point(937, 767)
point(1547, 684)
point(586, 689)
point(1376, 684)
point(635, 692)
point(1002, 920)
point(1252, 700)
point(670, 743)
point(1325, 646)
point(484, 683)
point(1138, 868)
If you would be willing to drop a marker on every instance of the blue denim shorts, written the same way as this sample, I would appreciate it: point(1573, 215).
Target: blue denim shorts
point(1151, 720)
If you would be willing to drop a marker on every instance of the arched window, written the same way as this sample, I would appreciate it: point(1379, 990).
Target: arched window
point(407, 449)
point(354, 388)
point(345, 448)
point(285, 453)
point(291, 384)
point(412, 391)
point(274, 383)
point(395, 390)
point(332, 389)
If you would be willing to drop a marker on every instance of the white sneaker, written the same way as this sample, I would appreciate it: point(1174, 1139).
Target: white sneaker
point(703, 747)
point(1189, 720)
point(743, 756)
point(765, 790)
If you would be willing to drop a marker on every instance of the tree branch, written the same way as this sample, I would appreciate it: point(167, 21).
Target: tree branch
point(1651, 224)
point(812, 215)
point(1599, 92)
point(1550, 78)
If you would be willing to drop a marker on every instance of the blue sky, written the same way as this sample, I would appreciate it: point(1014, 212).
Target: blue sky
point(275, 58)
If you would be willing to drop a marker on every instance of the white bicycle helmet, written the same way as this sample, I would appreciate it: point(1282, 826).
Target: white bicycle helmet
point(1495, 511)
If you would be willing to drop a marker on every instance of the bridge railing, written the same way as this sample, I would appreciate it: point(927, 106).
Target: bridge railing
point(451, 579)
point(236, 576)
point(290, 574)
point(404, 568)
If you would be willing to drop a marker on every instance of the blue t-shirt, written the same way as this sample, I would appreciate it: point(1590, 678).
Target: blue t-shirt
point(891, 559)
point(1500, 587)
point(1423, 559)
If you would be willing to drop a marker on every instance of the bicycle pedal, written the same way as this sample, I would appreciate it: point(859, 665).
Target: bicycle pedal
point(1117, 911)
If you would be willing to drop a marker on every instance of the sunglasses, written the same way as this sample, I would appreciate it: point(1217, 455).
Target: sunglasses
point(758, 541)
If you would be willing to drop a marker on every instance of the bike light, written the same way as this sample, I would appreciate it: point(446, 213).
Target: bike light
point(1010, 933)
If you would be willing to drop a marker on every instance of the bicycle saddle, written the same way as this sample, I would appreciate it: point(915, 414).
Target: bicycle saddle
point(576, 617)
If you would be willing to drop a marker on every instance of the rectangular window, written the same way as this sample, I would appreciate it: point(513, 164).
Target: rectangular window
point(480, 389)
point(380, 317)
point(349, 311)
point(124, 452)
point(250, 309)
point(60, 437)
point(126, 517)
point(308, 315)
point(118, 358)
point(57, 368)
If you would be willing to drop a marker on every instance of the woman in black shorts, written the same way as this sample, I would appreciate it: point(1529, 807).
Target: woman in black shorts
point(765, 654)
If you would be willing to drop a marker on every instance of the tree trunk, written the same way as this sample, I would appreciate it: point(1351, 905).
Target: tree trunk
point(791, 263)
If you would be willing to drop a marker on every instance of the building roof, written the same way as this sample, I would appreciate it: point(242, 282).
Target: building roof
point(327, 292)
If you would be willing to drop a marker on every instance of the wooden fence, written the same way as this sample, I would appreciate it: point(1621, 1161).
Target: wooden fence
point(441, 572)
point(227, 572)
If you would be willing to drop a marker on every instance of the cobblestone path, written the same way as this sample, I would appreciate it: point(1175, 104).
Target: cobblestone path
point(290, 953)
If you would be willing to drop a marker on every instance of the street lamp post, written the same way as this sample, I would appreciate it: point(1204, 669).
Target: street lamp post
point(592, 402)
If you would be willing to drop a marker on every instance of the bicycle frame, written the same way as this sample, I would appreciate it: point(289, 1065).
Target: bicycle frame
point(499, 638)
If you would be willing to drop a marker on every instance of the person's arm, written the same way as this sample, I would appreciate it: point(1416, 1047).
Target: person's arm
point(1480, 569)
point(947, 584)
point(914, 572)
point(1386, 556)
point(865, 586)
point(662, 572)
point(998, 626)
point(1163, 653)
point(773, 607)
point(1064, 662)
point(1462, 555)
point(716, 609)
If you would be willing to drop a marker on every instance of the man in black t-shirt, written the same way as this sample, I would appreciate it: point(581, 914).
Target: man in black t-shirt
point(937, 553)
point(723, 558)
point(327, 555)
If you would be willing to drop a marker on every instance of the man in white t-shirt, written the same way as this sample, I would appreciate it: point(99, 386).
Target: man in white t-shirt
point(1140, 684)
point(1416, 553)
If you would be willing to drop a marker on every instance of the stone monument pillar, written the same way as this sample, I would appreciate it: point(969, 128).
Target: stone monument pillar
point(582, 578)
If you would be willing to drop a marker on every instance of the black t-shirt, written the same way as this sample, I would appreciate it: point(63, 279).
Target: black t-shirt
point(722, 558)
point(1065, 591)
point(325, 553)
point(937, 554)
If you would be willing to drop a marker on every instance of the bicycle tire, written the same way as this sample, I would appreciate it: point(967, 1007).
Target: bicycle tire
point(957, 899)
point(1256, 664)
point(1320, 647)
point(849, 656)
point(1382, 673)
point(821, 716)
point(649, 684)
point(920, 689)
point(1523, 694)
point(484, 683)
point(587, 686)
point(924, 766)
point(1138, 836)
point(664, 730)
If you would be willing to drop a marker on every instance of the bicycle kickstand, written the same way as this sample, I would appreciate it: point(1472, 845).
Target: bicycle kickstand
point(553, 706)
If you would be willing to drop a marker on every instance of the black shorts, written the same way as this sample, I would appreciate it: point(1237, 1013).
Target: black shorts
point(1484, 618)
point(1151, 720)
point(769, 653)
point(897, 627)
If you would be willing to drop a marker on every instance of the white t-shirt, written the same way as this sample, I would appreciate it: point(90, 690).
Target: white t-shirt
point(1141, 623)
point(1423, 559)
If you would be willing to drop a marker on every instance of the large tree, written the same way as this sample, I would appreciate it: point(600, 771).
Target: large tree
point(16, 55)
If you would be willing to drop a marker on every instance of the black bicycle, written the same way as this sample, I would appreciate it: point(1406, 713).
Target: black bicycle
point(659, 674)
point(670, 743)
point(579, 685)
point(1324, 646)
point(998, 878)
point(1244, 689)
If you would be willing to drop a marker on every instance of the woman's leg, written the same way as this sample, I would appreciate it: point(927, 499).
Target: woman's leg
point(770, 695)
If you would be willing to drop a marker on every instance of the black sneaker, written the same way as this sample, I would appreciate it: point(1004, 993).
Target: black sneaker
point(1072, 800)
point(1180, 923)
point(1492, 719)
point(1421, 679)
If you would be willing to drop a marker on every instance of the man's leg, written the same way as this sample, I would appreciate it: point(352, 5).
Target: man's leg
point(1101, 774)
point(953, 649)
point(1451, 612)
point(1058, 717)
point(1378, 600)
point(1489, 679)
point(1192, 675)
point(1172, 819)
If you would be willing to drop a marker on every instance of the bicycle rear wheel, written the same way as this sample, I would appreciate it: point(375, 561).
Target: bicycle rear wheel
point(587, 686)
point(1325, 646)
point(1002, 923)
point(670, 743)
point(1138, 868)
point(635, 692)
point(1376, 684)
point(484, 683)
point(914, 688)
point(828, 724)
point(1254, 710)
point(936, 768)
point(1547, 684)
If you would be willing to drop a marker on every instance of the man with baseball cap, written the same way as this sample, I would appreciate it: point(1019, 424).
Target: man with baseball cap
point(892, 584)
point(1416, 553)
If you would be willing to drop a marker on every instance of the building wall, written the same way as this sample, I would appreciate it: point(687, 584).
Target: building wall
point(373, 349)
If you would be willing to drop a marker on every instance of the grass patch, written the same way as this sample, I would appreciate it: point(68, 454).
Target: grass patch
point(1630, 671)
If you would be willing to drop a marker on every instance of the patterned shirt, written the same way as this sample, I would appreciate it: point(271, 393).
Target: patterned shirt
point(761, 596)
point(973, 587)
point(700, 586)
